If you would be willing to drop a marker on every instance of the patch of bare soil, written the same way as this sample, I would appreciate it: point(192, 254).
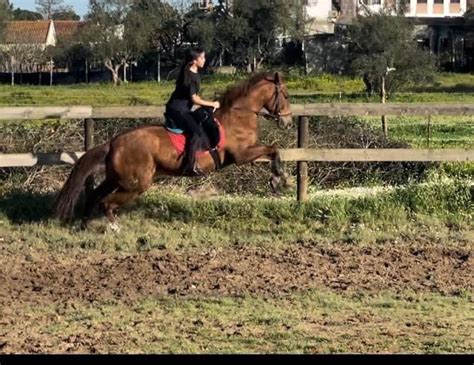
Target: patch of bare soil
point(42, 280)
point(47, 278)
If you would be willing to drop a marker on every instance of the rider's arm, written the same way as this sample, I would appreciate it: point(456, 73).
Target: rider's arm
point(197, 100)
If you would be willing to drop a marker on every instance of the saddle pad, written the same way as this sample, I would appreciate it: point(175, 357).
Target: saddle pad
point(178, 139)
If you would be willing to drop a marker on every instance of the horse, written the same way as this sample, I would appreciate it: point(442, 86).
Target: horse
point(133, 159)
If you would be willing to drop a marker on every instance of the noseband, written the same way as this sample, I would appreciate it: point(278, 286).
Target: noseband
point(277, 113)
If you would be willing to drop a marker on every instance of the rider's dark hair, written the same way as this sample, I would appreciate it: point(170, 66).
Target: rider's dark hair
point(191, 55)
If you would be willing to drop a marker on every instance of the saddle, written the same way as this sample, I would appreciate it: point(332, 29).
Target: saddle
point(211, 128)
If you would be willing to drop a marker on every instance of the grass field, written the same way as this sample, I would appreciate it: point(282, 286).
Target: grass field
point(384, 272)
point(313, 322)
point(324, 88)
point(446, 131)
point(379, 260)
point(175, 220)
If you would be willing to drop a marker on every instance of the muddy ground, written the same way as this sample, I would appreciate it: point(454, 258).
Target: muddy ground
point(29, 279)
point(233, 272)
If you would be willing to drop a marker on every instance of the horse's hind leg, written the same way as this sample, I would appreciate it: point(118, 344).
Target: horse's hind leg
point(93, 199)
point(114, 201)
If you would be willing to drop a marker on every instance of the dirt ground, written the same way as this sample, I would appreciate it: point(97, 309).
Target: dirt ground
point(233, 272)
point(29, 279)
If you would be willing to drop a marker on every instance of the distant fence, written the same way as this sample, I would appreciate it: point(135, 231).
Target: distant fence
point(301, 154)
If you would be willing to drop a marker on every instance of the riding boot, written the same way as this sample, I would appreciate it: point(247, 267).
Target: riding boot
point(215, 156)
point(189, 167)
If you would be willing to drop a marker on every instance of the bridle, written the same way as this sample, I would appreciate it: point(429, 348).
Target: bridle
point(276, 115)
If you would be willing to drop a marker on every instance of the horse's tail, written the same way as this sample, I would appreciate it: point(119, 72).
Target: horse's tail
point(90, 163)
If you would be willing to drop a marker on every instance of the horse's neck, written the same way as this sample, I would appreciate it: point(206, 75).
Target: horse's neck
point(243, 112)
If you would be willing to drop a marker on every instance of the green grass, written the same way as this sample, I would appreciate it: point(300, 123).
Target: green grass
point(437, 212)
point(446, 132)
point(310, 322)
point(321, 88)
point(82, 94)
point(440, 211)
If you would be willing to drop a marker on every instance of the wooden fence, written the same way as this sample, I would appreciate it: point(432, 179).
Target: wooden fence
point(302, 154)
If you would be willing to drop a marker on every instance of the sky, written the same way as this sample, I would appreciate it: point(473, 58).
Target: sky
point(80, 6)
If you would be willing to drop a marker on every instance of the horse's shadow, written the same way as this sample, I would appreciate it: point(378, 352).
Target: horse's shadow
point(27, 207)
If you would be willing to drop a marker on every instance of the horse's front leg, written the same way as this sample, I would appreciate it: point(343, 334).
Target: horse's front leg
point(280, 178)
point(250, 154)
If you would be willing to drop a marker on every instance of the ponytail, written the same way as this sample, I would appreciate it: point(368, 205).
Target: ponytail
point(190, 56)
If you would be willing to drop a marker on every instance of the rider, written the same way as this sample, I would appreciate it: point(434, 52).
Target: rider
point(184, 97)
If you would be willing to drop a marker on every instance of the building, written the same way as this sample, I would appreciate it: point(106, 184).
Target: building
point(25, 44)
point(440, 26)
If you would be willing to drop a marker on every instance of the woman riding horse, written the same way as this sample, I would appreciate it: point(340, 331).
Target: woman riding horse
point(184, 97)
point(133, 158)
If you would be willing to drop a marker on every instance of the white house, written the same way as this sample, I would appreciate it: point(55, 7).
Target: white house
point(425, 8)
point(24, 43)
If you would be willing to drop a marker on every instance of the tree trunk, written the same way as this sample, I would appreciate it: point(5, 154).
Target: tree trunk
point(51, 72)
point(87, 72)
point(114, 71)
point(115, 77)
point(384, 118)
point(158, 71)
point(12, 71)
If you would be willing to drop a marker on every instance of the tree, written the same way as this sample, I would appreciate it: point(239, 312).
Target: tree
point(48, 7)
point(5, 15)
point(199, 27)
point(258, 23)
point(21, 58)
point(162, 33)
point(23, 14)
point(385, 54)
point(218, 31)
point(248, 33)
point(114, 34)
point(381, 41)
point(65, 14)
point(469, 16)
point(160, 24)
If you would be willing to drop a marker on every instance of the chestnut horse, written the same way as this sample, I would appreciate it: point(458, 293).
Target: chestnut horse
point(133, 158)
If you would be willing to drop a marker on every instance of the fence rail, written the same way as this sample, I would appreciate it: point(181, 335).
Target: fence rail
point(322, 109)
point(295, 154)
point(302, 154)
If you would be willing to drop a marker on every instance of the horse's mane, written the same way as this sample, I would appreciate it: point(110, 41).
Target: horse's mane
point(242, 89)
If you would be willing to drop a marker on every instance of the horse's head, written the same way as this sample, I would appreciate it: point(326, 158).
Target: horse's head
point(278, 102)
point(260, 91)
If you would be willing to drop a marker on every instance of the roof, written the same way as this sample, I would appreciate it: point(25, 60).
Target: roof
point(66, 29)
point(26, 32)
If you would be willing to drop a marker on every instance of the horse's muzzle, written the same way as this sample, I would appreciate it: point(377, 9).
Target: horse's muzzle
point(285, 122)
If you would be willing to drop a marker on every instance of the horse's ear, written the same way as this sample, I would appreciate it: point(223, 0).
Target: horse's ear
point(277, 78)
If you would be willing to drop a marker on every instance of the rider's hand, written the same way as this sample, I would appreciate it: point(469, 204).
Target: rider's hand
point(216, 105)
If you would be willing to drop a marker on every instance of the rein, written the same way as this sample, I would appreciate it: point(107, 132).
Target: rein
point(277, 114)
point(263, 114)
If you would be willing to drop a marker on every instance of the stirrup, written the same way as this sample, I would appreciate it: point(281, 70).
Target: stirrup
point(195, 171)
point(215, 156)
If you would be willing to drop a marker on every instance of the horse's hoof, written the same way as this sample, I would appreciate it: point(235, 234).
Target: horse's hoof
point(275, 183)
point(203, 192)
point(288, 182)
point(114, 227)
point(84, 225)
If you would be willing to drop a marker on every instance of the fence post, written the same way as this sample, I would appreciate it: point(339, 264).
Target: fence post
point(88, 144)
point(384, 117)
point(302, 166)
point(429, 131)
